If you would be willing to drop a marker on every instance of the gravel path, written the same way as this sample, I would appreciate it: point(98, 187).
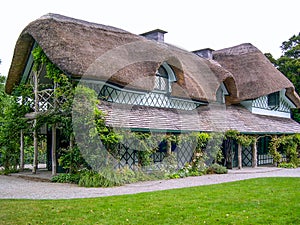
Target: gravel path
point(12, 187)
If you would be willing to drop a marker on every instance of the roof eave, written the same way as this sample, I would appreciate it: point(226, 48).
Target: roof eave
point(21, 54)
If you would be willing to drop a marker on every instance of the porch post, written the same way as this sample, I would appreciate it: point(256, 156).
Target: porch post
point(35, 146)
point(254, 153)
point(35, 134)
point(240, 156)
point(53, 150)
point(21, 150)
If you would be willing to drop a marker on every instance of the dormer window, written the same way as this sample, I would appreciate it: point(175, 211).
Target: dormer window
point(273, 100)
point(161, 79)
point(221, 92)
point(164, 77)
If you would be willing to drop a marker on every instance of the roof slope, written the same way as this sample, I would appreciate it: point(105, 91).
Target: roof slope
point(254, 74)
point(214, 118)
point(84, 49)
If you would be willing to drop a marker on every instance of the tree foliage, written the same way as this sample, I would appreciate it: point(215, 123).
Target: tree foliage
point(12, 119)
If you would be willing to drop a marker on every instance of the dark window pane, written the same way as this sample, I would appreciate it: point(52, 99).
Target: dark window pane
point(162, 72)
point(273, 99)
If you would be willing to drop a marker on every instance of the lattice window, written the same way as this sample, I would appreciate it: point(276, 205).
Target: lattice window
point(154, 99)
point(159, 97)
point(158, 156)
point(127, 155)
point(46, 100)
point(185, 153)
point(247, 156)
point(283, 106)
point(261, 102)
point(274, 103)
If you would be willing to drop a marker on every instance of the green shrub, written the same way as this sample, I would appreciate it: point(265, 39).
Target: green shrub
point(105, 178)
point(287, 165)
point(187, 171)
point(8, 171)
point(71, 160)
point(216, 169)
point(66, 178)
point(127, 175)
point(174, 176)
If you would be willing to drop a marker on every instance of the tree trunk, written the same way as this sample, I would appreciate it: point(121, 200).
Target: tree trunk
point(169, 147)
point(254, 154)
point(21, 150)
point(53, 150)
point(240, 156)
point(228, 153)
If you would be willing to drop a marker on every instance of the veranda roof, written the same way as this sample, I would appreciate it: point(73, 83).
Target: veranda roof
point(212, 118)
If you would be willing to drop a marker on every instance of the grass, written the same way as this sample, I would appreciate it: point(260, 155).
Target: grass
point(255, 201)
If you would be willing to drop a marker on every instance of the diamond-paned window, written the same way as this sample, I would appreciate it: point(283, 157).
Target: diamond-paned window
point(274, 102)
point(158, 97)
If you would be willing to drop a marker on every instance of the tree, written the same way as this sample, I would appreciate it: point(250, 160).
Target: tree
point(12, 120)
point(289, 64)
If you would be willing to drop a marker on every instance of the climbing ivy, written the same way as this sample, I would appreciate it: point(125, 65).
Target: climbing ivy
point(290, 145)
point(63, 91)
point(244, 140)
point(60, 115)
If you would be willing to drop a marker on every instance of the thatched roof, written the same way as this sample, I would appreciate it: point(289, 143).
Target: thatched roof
point(89, 50)
point(254, 75)
point(212, 118)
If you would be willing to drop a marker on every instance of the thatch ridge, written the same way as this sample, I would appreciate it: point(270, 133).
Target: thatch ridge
point(62, 18)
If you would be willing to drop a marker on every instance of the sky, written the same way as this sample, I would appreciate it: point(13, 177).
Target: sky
point(191, 24)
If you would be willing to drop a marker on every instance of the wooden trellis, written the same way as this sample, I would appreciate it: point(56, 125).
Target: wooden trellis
point(46, 99)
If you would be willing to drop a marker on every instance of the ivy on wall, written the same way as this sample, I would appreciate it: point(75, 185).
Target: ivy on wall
point(290, 145)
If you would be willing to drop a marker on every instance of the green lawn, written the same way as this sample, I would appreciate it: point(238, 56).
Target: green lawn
point(255, 201)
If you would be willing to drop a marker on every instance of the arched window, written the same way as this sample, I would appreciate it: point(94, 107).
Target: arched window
point(164, 77)
point(221, 92)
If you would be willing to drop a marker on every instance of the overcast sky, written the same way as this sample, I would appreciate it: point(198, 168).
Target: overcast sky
point(190, 24)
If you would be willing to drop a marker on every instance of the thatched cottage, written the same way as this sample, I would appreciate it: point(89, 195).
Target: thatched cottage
point(147, 85)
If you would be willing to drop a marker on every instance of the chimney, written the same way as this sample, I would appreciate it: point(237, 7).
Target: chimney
point(156, 35)
point(205, 53)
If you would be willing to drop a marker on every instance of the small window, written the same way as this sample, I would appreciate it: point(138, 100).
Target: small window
point(161, 79)
point(221, 92)
point(164, 77)
point(273, 100)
